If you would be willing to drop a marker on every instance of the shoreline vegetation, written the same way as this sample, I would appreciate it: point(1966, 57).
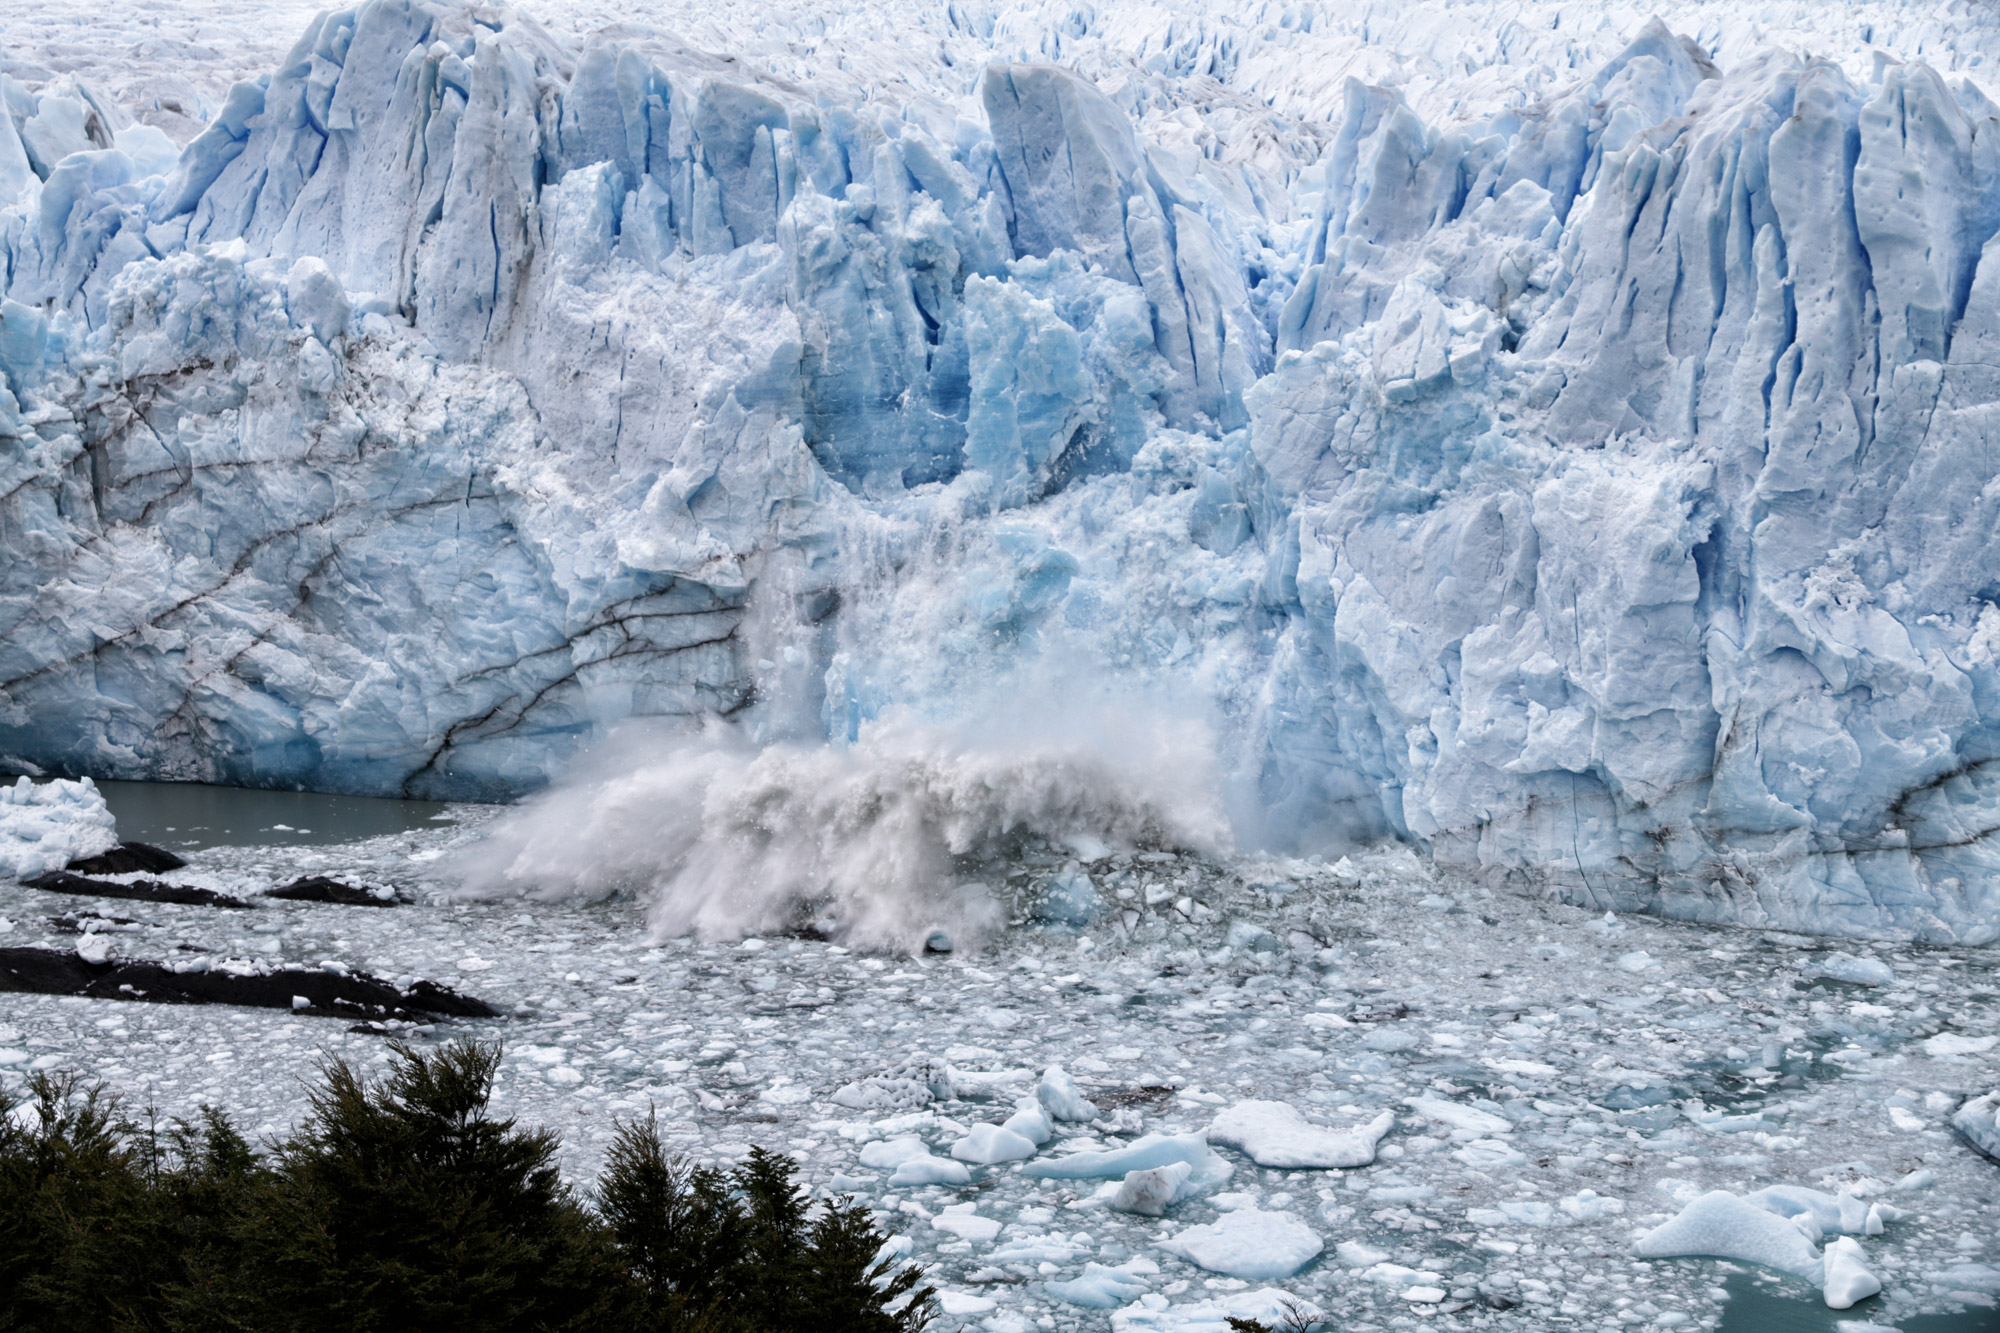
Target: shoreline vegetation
point(401, 1203)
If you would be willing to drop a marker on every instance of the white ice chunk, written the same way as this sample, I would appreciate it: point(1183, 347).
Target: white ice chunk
point(1151, 1192)
point(984, 1145)
point(1276, 1134)
point(1590, 1206)
point(1832, 1214)
point(1051, 1249)
point(929, 1170)
point(1859, 971)
point(1030, 1121)
point(1209, 1167)
point(1269, 1306)
point(963, 1221)
point(1959, 1043)
point(1099, 1288)
point(1979, 1121)
point(1354, 1254)
point(1720, 1225)
point(1490, 1155)
point(1249, 1243)
point(1061, 1097)
point(44, 826)
point(1847, 1277)
point(1470, 1119)
point(1513, 1212)
point(893, 1152)
point(966, 1303)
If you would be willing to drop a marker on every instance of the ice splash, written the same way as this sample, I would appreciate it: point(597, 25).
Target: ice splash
point(876, 844)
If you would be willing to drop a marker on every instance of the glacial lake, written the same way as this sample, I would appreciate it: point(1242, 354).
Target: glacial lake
point(1758, 1305)
point(191, 815)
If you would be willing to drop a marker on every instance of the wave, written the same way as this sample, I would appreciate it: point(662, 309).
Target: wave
point(876, 844)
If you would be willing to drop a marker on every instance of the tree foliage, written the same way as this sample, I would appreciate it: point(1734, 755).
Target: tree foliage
point(402, 1204)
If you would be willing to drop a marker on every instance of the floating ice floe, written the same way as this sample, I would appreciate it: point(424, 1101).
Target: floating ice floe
point(1959, 1043)
point(1775, 1228)
point(1979, 1121)
point(986, 1145)
point(1722, 1225)
point(1847, 1278)
point(1104, 1288)
point(1275, 1134)
point(963, 1221)
point(1858, 971)
point(1029, 1121)
point(909, 1161)
point(1470, 1121)
point(1061, 1098)
point(1151, 1192)
point(907, 1086)
point(1209, 1168)
point(1830, 1214)
point(1248, 1243)
point(1269, 1306)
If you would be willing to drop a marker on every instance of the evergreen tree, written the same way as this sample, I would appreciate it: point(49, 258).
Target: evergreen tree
point(81, 1239)
point(404, 1205)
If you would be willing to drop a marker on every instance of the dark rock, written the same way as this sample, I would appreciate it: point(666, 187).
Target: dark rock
point(81, 921)
point(320, 889)
point(143, 890)
point(350, 995)
point(391, 1027)
point(127, 858)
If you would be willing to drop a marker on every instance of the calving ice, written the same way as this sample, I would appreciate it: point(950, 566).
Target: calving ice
point(1573, 455)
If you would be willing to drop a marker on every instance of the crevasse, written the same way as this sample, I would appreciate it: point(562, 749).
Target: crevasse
point(1595, 486)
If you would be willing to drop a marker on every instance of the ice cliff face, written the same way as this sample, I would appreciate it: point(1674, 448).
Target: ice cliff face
point(1593, 479)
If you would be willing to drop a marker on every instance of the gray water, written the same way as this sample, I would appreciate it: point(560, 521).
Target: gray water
point(1758, 1305)
point(191, 815)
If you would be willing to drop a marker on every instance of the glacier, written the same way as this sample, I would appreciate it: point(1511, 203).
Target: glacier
point(1562, 441)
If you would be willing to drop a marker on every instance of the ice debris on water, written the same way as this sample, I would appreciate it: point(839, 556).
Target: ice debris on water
point(1858, 971)
point(1722, 1225)
point(1979, 1121)
point(985, 1145)
point(1779, 1227)
point(1061, 1098)
point(1847, 1279)
point(1104, 1288)
point(1269, 1306)
point(1150, 1191)
point(1552, 1101)
point(1208, 1167)
point(1276, 1134)
point(1248, 1243)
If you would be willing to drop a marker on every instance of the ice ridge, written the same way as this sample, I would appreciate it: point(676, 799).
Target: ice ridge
point(1591, 483)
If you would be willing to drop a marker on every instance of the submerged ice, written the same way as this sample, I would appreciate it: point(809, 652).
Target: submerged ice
point(1571, 456)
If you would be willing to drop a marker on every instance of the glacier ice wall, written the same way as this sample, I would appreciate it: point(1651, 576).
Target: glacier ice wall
point(1588, 474)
